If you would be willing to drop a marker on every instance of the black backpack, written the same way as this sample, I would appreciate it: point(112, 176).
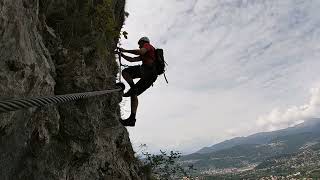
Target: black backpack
point(160, 63)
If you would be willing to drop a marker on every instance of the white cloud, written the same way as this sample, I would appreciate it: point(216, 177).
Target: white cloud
point(229, 62)
point(278, 119)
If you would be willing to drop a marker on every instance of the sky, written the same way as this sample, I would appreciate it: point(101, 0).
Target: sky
point(236, 67)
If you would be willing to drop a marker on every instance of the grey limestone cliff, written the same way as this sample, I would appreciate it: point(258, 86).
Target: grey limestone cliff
point(50, 47)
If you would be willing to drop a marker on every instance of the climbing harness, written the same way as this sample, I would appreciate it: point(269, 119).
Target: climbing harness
point(16, 104)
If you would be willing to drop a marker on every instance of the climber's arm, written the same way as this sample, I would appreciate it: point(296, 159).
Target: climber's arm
point(131, 59)
point(139, 52)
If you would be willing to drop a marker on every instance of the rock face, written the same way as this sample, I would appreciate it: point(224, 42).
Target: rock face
point(52, 47)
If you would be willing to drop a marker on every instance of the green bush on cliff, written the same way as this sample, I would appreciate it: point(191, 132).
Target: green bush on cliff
point(104, 22)
point(86, 23)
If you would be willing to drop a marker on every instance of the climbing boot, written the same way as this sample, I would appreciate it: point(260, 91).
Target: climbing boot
point(131, 121)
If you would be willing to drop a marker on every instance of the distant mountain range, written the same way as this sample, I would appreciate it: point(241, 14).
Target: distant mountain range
point(258, 150)
point(309, 126)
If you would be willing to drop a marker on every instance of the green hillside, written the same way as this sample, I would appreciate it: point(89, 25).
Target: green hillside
point(289, 154)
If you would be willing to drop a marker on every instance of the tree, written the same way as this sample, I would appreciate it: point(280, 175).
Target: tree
point(165, 166)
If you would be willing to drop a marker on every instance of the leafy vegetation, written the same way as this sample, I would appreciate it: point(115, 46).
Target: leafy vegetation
point(89, 23)
point(164, 166)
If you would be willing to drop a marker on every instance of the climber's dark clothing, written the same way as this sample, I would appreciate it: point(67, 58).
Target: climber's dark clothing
point(131, 121)
point(147, 73)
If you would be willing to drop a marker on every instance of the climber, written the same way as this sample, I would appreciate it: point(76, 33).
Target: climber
point(146, 72)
